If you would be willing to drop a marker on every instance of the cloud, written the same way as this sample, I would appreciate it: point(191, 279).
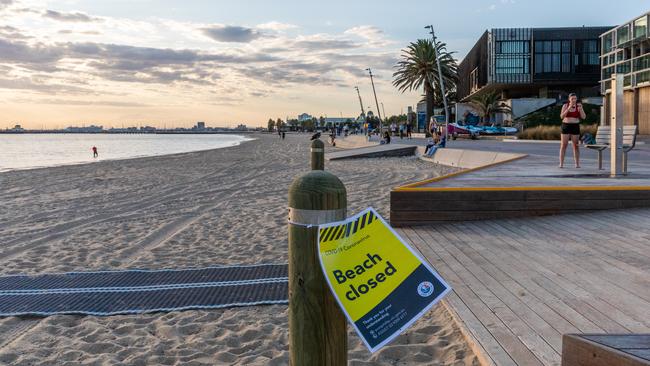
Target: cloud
point(76, 17)
point(229, 33)
point(366, 31)
point(111, 103)
point(325, 44)
point(26, 83)
point(276, 26)
point(6, 3)
point(89, 33)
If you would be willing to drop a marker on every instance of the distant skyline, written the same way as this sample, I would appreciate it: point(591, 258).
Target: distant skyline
point(145, 62)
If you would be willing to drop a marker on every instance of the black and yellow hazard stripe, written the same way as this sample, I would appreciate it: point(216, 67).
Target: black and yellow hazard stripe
point(345, 230)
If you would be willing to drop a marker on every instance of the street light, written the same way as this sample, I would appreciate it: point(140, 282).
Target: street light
point(442, 83)
point(376, 102)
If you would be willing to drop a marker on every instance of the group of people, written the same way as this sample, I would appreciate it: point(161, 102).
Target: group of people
point(404, 130)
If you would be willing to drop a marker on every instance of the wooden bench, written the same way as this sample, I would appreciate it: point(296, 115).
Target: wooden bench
point(606, 350)
point(603, 136)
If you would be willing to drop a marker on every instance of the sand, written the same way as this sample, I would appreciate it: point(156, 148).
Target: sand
point(219, 207)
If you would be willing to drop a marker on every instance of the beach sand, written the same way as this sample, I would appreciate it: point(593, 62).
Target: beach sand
point(218, 207)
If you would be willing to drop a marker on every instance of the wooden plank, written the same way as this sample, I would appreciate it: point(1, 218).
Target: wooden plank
point(620, 340)
point(515, 281)
point(478, 336)
point(564, 293)
point(578, 351)
point(523, 205)
point(581, 283)
point(518, 195)
point(476, 301)
point(606, 257)
point(519, 308)
point(607, 287)
point(529, 343)
point(508, 260)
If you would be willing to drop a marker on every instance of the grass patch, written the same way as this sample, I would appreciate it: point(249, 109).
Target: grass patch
point(552, 132)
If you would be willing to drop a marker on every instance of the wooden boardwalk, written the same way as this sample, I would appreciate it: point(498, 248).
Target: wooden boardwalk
point(520, 284)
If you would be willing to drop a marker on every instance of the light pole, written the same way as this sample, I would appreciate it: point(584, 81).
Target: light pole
point(442, 82)
point(376, 102)
point(363, 111)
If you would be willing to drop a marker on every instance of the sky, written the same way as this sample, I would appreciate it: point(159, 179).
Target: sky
point(171, 63)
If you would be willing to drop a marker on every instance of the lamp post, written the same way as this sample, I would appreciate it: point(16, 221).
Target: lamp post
point(376, 102)
point(442, 83)
point(363, 111)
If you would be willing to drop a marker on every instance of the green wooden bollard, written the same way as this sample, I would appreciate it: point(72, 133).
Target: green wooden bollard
point(317, 155)
point(317, 327)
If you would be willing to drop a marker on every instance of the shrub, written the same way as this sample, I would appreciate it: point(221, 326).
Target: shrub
point(552, 132)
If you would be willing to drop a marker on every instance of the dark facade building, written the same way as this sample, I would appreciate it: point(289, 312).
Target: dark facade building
point(626, 50)
point(533, 63)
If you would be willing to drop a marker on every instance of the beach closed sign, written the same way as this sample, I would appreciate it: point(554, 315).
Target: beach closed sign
point(382, 285)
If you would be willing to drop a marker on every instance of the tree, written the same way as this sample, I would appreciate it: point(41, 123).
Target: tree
point(279, 124)
point(488, 105)
point(271, 124)
point(418, 69)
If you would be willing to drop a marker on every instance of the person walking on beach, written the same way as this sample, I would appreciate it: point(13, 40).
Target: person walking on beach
point(95, 154)
point(571, 114)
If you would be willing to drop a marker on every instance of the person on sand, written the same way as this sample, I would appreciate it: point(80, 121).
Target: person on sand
point(95, 154)
point(386, 139)
point(571, 114)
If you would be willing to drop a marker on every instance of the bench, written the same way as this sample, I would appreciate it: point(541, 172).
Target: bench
point(606, 349)
point(603, 136)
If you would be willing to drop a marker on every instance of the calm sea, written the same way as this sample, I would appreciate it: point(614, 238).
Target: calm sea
point(28, 151)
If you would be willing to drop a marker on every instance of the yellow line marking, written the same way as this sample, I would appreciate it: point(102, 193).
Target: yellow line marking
point(410, 187)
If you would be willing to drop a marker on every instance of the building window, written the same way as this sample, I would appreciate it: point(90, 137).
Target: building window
point(588, 52)
point(640, 27)
point(473, 79)
point(512, 57)
point(623, 34)
point(643, 77)
point(642, 63)
point(607, 42)
point(552, 56)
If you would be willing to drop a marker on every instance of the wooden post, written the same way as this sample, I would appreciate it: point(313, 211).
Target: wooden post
point(617, 114)
point(317, 155)
point(317, 327)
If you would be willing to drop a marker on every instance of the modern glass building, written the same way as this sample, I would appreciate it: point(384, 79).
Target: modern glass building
point(626, 50)
point(533, 63)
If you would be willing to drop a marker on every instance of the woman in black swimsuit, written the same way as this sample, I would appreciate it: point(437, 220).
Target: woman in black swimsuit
point(571, 114)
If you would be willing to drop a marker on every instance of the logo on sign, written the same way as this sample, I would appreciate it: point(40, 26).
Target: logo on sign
point(425, 289)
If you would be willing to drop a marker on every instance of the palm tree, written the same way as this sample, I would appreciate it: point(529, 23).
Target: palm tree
point(418, 68)
point(489, 104)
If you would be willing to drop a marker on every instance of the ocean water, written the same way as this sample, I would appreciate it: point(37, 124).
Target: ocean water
point(29, 151)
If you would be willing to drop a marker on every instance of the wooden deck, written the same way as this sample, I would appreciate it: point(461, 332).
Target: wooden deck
point(520, 284)
point(530, 186)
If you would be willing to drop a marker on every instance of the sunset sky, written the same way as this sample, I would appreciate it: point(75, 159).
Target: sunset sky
point(172, 63)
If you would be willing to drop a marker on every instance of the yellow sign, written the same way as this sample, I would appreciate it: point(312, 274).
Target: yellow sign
point(382, 285)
